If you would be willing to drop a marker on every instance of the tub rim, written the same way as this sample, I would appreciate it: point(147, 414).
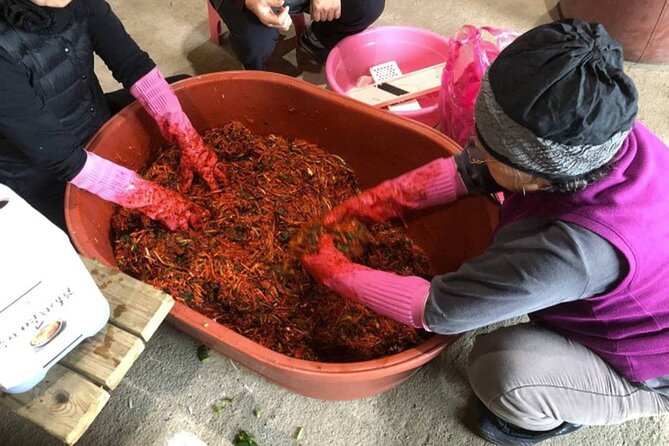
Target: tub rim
point(395, 364)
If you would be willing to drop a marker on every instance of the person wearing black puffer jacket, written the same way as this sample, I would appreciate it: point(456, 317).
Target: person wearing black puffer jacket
point(51, 104)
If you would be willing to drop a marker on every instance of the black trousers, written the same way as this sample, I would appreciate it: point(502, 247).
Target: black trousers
point(47, 194)
point(254, 42)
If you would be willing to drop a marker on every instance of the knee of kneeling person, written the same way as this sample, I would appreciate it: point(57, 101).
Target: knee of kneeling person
point(494, 367)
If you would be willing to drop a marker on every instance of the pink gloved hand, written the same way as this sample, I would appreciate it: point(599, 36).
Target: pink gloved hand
point(435, 183)
point(158, 99)
point(401, 298)
point(126, 188)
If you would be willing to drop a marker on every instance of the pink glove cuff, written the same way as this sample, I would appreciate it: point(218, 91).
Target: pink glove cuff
point(157, 97)
point(447, 185)
point(435, 183)
point(105, 179)
point(401, 298)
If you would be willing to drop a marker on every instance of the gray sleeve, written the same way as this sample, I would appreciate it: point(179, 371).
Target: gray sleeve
point(531, 265)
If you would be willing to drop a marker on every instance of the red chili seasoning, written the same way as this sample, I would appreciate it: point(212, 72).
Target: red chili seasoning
point(239, 268)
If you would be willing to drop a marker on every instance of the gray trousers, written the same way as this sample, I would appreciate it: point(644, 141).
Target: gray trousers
point(536, 379)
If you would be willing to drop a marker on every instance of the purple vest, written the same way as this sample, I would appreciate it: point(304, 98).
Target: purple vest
point(629, 326)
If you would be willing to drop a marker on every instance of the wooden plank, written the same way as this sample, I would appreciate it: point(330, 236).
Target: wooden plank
point(416, 83)
point(106, 357)
point(135, 306)
point(64, 404)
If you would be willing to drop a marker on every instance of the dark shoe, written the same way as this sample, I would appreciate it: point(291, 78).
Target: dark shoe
point(498, 431)
point(311, 46)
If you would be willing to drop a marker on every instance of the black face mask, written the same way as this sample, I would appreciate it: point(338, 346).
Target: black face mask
point(27, 16)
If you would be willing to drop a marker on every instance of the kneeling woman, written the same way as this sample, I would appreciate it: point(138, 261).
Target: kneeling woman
point(582, 244)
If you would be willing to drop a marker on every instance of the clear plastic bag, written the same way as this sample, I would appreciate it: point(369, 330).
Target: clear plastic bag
point(473, 50)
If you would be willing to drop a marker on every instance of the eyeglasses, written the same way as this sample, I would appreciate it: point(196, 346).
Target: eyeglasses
point(476, 154)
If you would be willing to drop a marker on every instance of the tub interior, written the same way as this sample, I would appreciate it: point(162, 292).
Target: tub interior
point(376, 144)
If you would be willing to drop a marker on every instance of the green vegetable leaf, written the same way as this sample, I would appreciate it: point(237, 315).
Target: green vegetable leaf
point(244, 438)
point(203, 353)
point(225, 401)
point(186, 295)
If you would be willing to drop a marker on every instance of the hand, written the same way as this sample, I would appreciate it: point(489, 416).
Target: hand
point(325, 10)
point(163, 205)
point(399, 297)
point(158, 99)
point(120, 185)
point(375, 205)
point(264, 10)
point(327, 263)
point(196, 156)
point(52, 3)
point(434, 183)
point(201, 158)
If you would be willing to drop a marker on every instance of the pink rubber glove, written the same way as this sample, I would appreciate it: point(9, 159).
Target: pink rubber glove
point(158, 99)
point(401, 298)
point(435, 183)
point(126, 188)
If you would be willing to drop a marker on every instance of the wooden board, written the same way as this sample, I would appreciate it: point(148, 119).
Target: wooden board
point(106, 357)
point(142, 313)
point(67, 401)
point(416, 83)
point(64, 404)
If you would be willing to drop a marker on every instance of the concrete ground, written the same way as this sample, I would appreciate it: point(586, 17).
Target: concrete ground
point(169, 391)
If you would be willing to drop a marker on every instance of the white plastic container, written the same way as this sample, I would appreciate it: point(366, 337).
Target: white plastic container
point(48, 301)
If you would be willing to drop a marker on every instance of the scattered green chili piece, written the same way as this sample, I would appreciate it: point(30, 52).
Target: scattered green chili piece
point(244, 438)
point(203, 353)
point(225, 401)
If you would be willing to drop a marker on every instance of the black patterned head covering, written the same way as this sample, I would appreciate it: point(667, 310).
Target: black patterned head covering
point(556, 102)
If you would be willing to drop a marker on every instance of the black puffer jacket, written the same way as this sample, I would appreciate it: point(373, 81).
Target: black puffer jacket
point(51, 102)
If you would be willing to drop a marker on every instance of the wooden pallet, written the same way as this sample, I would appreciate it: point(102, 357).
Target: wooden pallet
point(76, 389)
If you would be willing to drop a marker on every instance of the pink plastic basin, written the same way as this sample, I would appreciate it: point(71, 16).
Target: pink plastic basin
point(376, 144)
point(411, 48)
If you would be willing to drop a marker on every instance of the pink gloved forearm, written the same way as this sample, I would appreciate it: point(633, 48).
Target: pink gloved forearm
point(158, 99)
point(435, 183)
point(106, 179)
point(439, 180)
point(126, 188)
point(401, 298)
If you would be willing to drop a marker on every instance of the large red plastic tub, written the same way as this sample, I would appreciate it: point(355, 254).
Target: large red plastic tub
point(376, 144)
